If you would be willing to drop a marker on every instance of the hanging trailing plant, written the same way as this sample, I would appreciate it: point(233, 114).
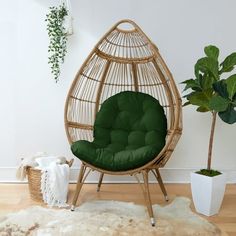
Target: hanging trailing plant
point(57, 38)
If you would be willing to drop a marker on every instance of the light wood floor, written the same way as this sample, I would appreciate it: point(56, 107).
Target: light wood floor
point(14, 197)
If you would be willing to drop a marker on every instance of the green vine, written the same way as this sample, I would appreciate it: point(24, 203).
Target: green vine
point(57, 38)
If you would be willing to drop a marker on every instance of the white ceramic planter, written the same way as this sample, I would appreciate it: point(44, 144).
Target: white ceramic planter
point(68, 25)
point(208, 193)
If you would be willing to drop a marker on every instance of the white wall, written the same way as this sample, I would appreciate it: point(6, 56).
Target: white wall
point(32, 104)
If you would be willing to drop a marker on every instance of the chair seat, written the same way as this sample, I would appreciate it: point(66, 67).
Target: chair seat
point(129, 131)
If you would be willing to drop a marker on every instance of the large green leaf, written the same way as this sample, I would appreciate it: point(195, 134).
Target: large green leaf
point(231, 85)
point(212, 51)
point(206, 81)
point(186, 104)
point(234, 100)
point(207, 65)
point(218, 103)
point(229, 63)
point(191, 83)
point(188, 95)
point(202, 109)
point(228, 116)
point(200, 99)
point(221, 88)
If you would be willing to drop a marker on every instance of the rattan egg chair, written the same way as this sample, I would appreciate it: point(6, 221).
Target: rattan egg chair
point(125, 59)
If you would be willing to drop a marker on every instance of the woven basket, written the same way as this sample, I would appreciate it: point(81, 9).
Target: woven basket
point(34, 181)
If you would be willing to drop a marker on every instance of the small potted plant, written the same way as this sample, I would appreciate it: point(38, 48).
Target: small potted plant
point(59, 26)
point(211, 93)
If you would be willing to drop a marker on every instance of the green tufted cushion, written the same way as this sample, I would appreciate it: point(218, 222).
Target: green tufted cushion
point(129, 131)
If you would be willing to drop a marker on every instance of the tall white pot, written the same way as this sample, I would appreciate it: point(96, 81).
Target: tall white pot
point(208, 193)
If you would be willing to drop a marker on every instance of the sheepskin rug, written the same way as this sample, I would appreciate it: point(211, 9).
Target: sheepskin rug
point(105, 218)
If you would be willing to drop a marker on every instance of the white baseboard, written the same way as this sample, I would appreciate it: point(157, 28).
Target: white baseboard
point(169, 175)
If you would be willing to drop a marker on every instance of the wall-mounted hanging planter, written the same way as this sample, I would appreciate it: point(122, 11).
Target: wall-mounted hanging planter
point(68, 19)
point(59, 27)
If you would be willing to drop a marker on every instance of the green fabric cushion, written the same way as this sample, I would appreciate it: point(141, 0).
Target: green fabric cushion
point(129, 131)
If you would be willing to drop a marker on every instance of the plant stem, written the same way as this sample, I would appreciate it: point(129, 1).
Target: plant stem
point(213, 124)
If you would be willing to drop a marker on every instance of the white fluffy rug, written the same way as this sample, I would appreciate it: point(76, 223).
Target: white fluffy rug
point(98, 218)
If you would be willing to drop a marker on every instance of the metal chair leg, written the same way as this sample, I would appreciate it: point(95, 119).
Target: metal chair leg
point(78, 186)
point(147, 197)
point(162, 186)
point(100, 182)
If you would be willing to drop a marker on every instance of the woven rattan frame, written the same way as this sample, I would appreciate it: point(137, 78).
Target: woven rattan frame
point(124, 59)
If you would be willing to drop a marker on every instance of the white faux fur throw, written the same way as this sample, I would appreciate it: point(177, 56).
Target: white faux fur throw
point(109, 218)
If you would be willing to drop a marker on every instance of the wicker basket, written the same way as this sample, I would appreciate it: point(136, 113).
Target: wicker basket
point(34, 181)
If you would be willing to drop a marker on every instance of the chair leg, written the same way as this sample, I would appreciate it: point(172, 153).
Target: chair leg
point(162, 186)
point(78, 186)
point(147, 197)
point(100, 182)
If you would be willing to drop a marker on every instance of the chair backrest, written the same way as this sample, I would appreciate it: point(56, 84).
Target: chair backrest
point(124, 59)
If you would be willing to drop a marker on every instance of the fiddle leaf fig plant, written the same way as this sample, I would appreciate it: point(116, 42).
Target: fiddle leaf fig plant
point(210, 92)
point(57, 38)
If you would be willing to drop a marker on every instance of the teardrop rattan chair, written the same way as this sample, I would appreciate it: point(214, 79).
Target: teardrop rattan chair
point(123, 60)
